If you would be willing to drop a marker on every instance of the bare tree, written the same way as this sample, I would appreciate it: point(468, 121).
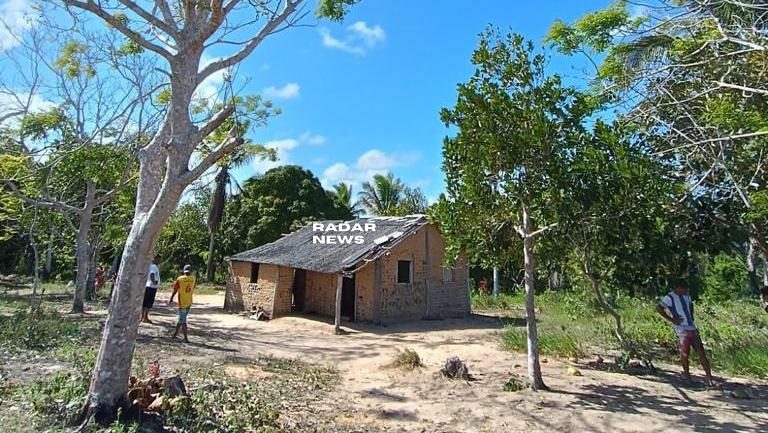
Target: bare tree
point(72, 79)
point(177, 34)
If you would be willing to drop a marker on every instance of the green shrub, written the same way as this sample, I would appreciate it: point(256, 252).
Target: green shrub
point(552, 342)
point(57, 399)
point(37, 328)
point(726, 278)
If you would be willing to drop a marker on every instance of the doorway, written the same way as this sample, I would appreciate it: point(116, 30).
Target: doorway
point(348, 298)
point(299, 290)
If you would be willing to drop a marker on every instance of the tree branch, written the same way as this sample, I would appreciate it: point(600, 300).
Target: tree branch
point(269, 27)
point(90, 6)
point(742, 88)
point(542, 230)
point(215, 121)
point(229, 146)
point(150, 18)
point(167, 14)
point(46, 203)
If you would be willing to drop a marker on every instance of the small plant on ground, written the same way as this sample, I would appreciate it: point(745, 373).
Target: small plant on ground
point(38, 328)
point(406, 359)
point(514, 385)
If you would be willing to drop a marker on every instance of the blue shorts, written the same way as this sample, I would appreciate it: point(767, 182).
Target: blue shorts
point(183, 312)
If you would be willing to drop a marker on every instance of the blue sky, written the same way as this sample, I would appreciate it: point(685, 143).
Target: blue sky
point(363, 96)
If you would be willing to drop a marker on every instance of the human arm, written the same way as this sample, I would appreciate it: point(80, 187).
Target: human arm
point(663, 313)
point(173, 293)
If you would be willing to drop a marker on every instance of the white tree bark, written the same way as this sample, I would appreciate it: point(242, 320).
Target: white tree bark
point(164, 163)
point(81, 249)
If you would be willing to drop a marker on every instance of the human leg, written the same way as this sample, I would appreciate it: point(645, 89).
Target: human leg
point(685, 351)
point(698, 345)
point(149, 301)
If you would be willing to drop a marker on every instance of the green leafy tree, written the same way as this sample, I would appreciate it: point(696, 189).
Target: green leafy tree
point(344, 198)
point(691, 74)
point(275, 203)
point(506, 167)
point(386, 195)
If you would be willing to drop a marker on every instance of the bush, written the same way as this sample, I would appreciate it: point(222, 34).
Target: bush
point(37, 329)
point(726, 279)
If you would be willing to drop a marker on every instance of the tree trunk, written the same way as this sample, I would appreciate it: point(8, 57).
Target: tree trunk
point(534, 367)
point(113, 268)
point(210, 275)
point(93, 256)
point(598, 291)
point(496, 281)
point(81, 249)
point(48, 269)
point(158, 194)
point(754, 281)
point(765, 270)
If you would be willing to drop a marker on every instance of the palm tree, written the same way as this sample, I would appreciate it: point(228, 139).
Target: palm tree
point(343, 195)
point(383, 196)
point(242, 156)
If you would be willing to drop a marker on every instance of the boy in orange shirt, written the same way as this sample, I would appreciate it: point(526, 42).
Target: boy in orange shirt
point(184, 285)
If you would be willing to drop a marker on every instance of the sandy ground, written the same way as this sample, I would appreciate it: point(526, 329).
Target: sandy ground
point(422, 401)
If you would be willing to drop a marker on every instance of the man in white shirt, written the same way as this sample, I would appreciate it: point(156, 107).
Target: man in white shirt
point(150, 290)
point(677, 308)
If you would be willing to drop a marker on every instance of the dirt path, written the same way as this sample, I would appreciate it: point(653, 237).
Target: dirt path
point(421, 401)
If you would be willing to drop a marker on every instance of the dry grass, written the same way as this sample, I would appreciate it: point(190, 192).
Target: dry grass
point(406, 359)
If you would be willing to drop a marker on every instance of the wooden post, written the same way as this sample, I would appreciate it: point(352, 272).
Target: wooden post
point(427, 270)
point(337, 320)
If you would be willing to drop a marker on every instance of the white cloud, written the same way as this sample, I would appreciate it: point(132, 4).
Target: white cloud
point(211, 86)
point(367, 165)
point(639, 11)
point(359, 38)
point(289, 91)
point(16, 17)
point(371, 35)
point(21, 103)
point(331, 42)
point(312, 139)
point(282, 148)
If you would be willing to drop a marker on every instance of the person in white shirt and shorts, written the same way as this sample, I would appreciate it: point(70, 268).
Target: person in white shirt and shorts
point(677, 308)
point(150, 290)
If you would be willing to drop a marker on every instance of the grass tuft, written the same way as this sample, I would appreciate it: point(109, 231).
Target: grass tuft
point(406, 359)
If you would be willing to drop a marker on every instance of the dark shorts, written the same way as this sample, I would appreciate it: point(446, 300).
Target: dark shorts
point(690, 339)
point(149, 297)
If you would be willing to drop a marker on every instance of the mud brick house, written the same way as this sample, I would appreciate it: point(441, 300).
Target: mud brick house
point(384, 269)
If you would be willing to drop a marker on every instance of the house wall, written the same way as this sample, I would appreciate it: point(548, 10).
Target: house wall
point(247, 296)
point(428, 295)
point(364, 294)
point(404, 301)
point(238, 279)
point(283, 291)
point(447, 297)
point(320, 294)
